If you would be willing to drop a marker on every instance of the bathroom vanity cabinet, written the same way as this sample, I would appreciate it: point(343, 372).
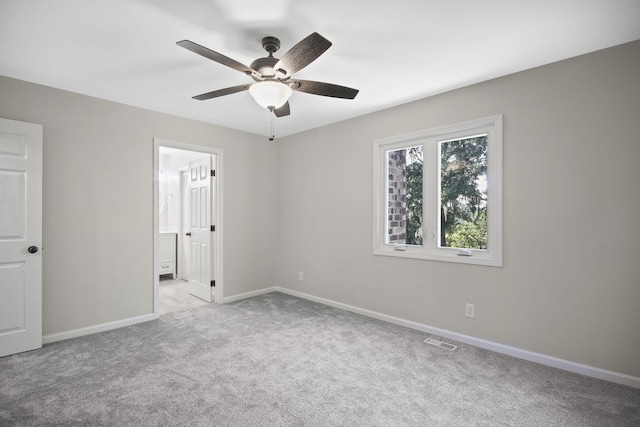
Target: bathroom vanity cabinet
point(167, 255)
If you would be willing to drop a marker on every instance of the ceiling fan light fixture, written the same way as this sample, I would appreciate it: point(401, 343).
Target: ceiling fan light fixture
point(270, 94)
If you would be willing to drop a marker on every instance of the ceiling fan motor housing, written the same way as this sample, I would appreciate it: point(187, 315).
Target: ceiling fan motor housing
point(264, 66)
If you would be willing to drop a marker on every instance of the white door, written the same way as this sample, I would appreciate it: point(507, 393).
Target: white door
point(20, 236)
point(201, 253)
point(186, 229)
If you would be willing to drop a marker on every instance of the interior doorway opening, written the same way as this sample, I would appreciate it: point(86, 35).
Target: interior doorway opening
point(187, 226)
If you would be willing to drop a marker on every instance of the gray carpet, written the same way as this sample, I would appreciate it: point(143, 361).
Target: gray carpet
point(276, 360)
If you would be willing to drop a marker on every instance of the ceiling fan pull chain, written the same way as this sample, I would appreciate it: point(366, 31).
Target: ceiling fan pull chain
point(273, 134)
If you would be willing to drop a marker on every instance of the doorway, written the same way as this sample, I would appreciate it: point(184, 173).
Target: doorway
point(187, 226)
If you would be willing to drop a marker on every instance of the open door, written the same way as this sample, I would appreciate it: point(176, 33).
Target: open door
point(201, 227)
point(20, 236)
point(185, 227)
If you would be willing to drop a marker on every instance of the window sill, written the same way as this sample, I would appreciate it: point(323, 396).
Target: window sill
point(444, 255)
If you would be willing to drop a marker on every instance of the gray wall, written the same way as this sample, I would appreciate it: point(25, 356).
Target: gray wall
point(570, 286)
point(98, 203)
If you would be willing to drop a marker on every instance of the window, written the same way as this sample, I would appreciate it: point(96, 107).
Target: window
point(438, 194)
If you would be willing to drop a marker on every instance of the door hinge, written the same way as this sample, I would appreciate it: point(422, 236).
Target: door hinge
point(213, 172)
point(213, 228)
point(213, 283)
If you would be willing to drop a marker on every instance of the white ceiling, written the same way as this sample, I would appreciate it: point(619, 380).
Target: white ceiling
point(392, 51)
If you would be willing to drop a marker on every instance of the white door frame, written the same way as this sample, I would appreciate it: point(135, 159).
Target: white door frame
point(217, 206)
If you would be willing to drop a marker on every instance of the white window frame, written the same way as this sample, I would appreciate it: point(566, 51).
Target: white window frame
point(429, 250)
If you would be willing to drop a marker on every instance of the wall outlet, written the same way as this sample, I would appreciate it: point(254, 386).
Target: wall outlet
point(470, 310)
point(300, 275)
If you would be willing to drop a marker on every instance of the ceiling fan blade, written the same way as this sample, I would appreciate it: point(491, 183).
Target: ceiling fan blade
point(302, 54)
point(221, 92)
point(323, 89)
point(285, 110)
point(215, 56)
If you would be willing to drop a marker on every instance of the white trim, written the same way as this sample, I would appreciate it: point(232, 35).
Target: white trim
point(429, 138)
point(251, 294)
point(218, 295)
point(48, 339)
point(156, 227)
point(554, 362)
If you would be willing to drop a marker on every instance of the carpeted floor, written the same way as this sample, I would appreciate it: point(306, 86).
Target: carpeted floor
point(276, 360)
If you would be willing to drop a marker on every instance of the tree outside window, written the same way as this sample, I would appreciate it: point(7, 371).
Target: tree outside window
point(463, 193)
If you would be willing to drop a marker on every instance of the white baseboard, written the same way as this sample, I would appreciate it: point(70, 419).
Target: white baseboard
point(251, 294)
point(531, 356)
point(543, 359)
point(47, 339)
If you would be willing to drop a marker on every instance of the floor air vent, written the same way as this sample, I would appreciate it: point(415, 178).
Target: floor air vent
point(441, 344)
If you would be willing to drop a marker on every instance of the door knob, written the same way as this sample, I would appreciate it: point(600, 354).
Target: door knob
point(32, 249)
point(188, 234)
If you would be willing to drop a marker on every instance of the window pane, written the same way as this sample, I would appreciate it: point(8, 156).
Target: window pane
point(463, 193)
point(404, 196)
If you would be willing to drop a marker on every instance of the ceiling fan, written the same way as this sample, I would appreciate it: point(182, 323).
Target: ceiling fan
point(273, 83)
